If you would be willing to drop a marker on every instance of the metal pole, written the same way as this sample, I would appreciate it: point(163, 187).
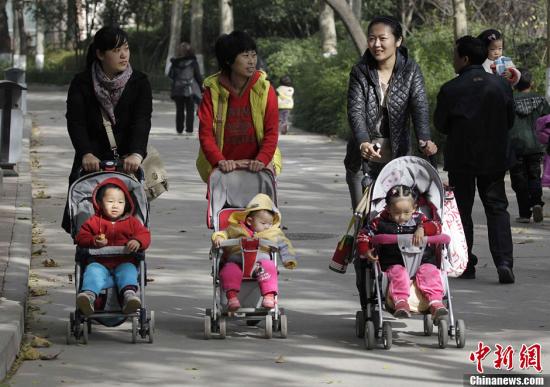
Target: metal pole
point(6, 123)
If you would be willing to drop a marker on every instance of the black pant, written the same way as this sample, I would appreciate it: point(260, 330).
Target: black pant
point(525, 177)
point(184, 105)
point(493, 196)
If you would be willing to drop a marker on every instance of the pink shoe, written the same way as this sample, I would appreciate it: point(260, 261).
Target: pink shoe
point(269, 301)
point(233, 303)
point(402, 309)
point(438, 310)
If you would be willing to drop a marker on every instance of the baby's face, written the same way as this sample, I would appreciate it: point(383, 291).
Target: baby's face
point(113, 203)
point(401, 210)
point(494, 51)
point(260, 221)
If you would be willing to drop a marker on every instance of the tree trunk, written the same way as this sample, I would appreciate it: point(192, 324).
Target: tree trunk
point(341, 7)
point(175, 31)
point(19, 36)
point(460, 18)
point(328, 30)
point(226, 16)
point(197, 15)
point(39, 56)
point(356, 8)
point(548, 50)
point(5, 40)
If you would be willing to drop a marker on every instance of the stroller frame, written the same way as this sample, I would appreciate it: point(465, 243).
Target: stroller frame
point(369, 323)
point(79, 326)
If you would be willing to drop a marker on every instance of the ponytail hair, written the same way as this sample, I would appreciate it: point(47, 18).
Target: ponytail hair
point(105, 39)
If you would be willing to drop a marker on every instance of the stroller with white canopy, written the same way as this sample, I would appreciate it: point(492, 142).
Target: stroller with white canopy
point(370, 322)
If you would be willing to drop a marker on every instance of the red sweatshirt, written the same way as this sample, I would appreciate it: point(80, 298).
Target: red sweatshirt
point(239, 139)
point(117, 232)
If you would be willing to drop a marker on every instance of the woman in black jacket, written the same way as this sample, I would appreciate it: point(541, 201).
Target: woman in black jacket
point(108, 85)
point(386, 89)
point(186, 86)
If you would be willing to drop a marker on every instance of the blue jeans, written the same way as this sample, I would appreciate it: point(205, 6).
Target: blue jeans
point(97, 277)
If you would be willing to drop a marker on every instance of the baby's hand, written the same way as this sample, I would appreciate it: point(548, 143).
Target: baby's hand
point(100, 240)
point(418, 236)
point(133, 245)
point(290, 264)
point(217, 242)
point(371, 255)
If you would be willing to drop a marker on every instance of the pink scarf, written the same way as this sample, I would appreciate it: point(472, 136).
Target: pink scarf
point(108, 91)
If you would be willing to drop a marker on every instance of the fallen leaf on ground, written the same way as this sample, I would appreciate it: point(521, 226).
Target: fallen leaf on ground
point(192, 369)
point(40, 342)
point(37, 292)
point(29, 353)
point(49, 357)
point(150, 279)
point(41, 195)
point(49, 262)
point(38, 252)
point(280, 359)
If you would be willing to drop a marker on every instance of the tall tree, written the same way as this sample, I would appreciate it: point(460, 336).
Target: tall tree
point(197, 15)
point(226, 16)
point(175, 31)
point(39, 56)
point(5, 41)
point(341, 7)
point(328, 30)
point(356, 8)
point(460, 18)
point(19, 36)
point(548, 50)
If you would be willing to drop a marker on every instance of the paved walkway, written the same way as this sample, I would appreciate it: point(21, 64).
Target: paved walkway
point(321, 347)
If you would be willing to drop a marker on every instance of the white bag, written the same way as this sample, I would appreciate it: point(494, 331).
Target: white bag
point(452, 226)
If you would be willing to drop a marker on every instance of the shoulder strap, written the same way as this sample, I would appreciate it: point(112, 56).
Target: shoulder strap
point(219, 120)
point(109, 129)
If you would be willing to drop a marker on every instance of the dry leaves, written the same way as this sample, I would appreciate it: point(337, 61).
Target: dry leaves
point(49, 262)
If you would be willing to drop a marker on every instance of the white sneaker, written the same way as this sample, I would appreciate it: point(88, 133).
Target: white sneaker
point(85, 302)
point(131, 302)
point(521, 219)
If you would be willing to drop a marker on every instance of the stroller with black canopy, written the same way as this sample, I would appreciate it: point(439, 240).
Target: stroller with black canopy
point(108, 311)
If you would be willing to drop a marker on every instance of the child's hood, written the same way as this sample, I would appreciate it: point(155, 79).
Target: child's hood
point(526, 103)
point(120, 184)
point(285, 90)
point(258, 202)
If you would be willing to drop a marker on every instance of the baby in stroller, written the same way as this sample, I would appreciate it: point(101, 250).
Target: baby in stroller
point(401, 216)
point(113, 224)
point(260, 219)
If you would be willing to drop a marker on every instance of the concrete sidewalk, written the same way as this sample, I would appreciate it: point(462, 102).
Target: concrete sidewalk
point(15, 254)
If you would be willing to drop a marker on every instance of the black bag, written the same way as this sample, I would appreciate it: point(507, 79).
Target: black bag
point(182, 85)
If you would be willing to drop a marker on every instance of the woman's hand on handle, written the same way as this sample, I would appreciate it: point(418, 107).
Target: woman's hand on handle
point(131, 164)
point(227, 165)
point(256, 166)
point(368, 151)
point(90, 163)
point(428, 147)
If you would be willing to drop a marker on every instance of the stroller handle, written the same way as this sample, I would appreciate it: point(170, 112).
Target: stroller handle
point(107, 251)
point(391, 239)
point(113, 165)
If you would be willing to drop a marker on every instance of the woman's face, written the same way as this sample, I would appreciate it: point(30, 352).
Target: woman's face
point(245, 64)
point(381, 42)
point(114, 61)
point(494, 51)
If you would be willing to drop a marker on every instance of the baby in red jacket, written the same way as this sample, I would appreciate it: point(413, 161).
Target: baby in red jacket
point(112, 225)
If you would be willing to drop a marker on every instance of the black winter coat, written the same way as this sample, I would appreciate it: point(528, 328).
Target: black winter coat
point(186, 77)
point(406, 98)
point(476, 111)
point(85, 124)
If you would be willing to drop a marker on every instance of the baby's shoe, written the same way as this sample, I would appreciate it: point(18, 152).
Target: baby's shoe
point(131, 302)
point(402, 309)
point(233, 303)
point(438, 310)
point(268, 301)
point(85, 302)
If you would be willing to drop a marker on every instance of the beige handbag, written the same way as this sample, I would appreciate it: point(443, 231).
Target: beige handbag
point(156, 180)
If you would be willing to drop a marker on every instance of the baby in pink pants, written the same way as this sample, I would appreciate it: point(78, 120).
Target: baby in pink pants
point(400, 216)
point(260, 219)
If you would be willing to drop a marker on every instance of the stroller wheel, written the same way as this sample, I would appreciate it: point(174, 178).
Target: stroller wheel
point(442, 333)
point(85, 333)
point(268, 327)
point(360, 324)
point(460, 336)
point(428, 325)
point(283, 326)
point(151, 329)
point(222, 327)
point(370, 339)
point(134, 329)
point(207, 327)
point(387, 334)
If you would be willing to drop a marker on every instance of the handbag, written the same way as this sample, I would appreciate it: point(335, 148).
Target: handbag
point(452, 226)
point(154, 173)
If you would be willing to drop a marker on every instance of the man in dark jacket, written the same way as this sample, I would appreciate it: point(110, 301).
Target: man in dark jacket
point(476, 111)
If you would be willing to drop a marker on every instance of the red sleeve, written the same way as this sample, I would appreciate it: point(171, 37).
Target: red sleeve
point(206, 130)
point(431, 227)
point(141, 234)
point(87, 233)
point(271, 129)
